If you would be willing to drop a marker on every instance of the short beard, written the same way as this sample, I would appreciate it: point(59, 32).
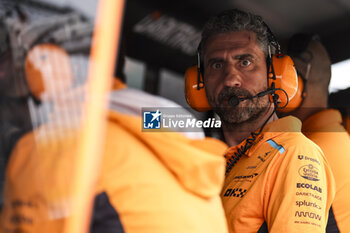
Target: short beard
point(251, 110)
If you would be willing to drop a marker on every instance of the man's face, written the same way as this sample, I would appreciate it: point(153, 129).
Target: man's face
point(235, 65)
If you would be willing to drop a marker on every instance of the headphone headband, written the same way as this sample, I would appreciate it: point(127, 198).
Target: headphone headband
point(272, 40)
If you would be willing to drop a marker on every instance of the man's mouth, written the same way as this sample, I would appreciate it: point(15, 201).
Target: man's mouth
point(232, 96)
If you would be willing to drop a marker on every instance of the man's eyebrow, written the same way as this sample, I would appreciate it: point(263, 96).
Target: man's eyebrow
point(243, 56)
point(238, 57)
point(215, 59)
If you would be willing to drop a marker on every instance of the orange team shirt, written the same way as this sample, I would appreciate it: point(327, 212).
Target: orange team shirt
point(149, 182)
point(282, 184)
point(325, 129)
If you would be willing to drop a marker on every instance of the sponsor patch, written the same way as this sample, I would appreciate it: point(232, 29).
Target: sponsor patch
point(307, 222)
point(236, 192)
point(245, 178)
point(261, 158)
point(304, 157)
point(309, 186)
point(309, 195)
point(307, 214)
point(309, 172)
point(307, 203)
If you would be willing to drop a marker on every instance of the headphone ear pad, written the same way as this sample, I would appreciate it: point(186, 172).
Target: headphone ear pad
point(296, 101)
point(48, 70)
point(197, 99)
point(286, 79)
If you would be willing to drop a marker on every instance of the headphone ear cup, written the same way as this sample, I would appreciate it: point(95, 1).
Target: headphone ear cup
point(286, 79)
point(48, 70)
point(296, 101)
point(197, 99)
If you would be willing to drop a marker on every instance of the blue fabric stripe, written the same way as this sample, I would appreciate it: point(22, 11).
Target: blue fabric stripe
point(276, 146)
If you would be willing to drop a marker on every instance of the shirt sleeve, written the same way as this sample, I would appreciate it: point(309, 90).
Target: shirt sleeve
point(299, 190)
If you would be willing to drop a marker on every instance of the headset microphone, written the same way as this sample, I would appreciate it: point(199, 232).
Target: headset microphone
point(235, 100)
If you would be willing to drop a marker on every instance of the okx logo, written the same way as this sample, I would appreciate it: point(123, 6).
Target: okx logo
point(237, 192)
point(152, 120)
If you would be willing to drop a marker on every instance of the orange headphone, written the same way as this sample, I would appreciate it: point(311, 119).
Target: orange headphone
point(48, 70)
point(298, 44)
point(283, 82)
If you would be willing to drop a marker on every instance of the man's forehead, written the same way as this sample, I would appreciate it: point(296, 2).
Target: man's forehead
point(231, 41)
point(238, 36)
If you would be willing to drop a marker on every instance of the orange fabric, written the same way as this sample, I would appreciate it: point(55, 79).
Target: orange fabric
point(38, 186)
point(118, 84)
point(325, 129)
point(166, 182)
point(347, 124)
point(284, 180)
point(156, 182)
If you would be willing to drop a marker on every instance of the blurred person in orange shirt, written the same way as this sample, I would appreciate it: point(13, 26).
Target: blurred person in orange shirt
point(148, 182)
point(321, 124)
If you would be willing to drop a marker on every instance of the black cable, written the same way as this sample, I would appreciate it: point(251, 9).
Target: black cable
point(230, 163)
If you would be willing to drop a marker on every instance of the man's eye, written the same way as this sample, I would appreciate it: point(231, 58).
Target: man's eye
point(245, 63)
point(217, 66)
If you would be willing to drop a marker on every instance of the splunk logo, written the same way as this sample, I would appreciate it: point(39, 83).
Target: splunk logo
point(307, 214)
point(309, 186)
point(307, 203)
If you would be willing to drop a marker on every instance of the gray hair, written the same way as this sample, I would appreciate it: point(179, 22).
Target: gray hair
point(234, 21)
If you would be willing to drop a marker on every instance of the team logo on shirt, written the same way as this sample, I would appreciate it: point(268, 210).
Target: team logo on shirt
point(248, 178)
point(309, 172)
point(152, 120)
point(264, 156)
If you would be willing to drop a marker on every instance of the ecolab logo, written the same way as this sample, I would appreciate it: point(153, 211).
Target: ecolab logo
point(309, 186)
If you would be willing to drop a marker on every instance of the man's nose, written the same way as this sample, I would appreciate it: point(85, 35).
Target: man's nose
point(233, 77)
